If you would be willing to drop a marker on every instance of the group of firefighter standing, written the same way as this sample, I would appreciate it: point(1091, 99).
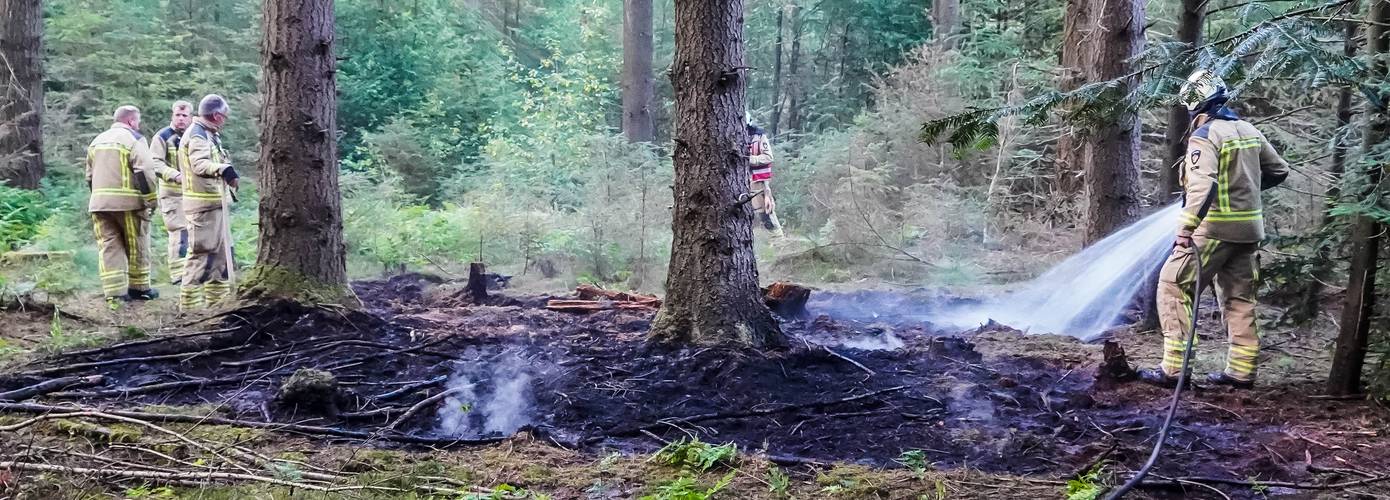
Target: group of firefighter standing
point(1229, 162)
point(186, 175)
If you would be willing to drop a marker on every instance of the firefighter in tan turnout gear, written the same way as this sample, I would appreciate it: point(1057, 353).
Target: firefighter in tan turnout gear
point(1227, 165)
point(208, 182)
point(122, 177)
point(164, 147)
point(760, 179)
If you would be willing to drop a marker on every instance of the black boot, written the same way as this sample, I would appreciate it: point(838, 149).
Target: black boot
point(1221, 378)
point(1155, 376)
point(150, 294)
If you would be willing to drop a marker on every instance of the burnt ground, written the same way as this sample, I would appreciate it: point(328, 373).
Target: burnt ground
point(991, 399)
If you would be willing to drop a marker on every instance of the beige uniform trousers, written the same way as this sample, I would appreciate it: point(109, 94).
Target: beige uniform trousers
point(123, 243)
point(1236, 271)
point(765, 216)
point(205, 274)
point(177, 227)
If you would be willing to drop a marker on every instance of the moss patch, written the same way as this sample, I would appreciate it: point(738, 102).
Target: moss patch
point(272, 282)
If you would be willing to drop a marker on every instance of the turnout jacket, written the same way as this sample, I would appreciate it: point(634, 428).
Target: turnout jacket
point(759, 156)
point(1229, 161)
point(164, 149)
point(204, 164)
point(120, 171)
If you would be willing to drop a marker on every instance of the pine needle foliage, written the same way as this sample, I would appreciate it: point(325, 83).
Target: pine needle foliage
point(1294, 46)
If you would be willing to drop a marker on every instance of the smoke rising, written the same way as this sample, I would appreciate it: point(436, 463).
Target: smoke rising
point(494, 397)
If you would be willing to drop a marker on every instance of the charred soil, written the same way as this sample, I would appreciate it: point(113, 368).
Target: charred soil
point(425, 365)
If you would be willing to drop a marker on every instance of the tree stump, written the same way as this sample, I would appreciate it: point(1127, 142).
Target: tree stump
point(787, 300)
point(1115, 367)
point(477, 282)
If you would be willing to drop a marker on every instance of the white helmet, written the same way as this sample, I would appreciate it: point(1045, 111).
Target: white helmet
point(1200, 86)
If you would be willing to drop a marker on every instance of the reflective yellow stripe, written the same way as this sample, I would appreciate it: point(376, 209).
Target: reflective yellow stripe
point(202, 196)
point(1235, 216)
point(1244, 366)
point(1189, 220)
point(1223, 177)
point(1245, 351)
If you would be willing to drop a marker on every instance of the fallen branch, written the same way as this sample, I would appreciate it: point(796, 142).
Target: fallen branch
point(48, 386)
point(61, 411)
point(301, 354)
point(1177, 481)
point(143, 389)
point(848, 360)
point(182, 356)
point(203, 476)
point(129, 420)
point(422, 404)
point(113, 347)
point(411, 388)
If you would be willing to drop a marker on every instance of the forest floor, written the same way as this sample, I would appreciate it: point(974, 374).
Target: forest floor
point(436, 395)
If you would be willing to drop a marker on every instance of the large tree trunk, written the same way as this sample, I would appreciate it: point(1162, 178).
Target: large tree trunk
point(712, 293)
point(1350, 356)
point(1189, 33)
point(637, 71)
point(945, 22)
point(302, 255)
point(1112, 151)
point(21, 86)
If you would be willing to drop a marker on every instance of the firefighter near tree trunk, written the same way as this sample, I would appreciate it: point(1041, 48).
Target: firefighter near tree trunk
point(164, 148)
point(209, 182)
point(760, 179)
point(1227, 165)
point(122, 177)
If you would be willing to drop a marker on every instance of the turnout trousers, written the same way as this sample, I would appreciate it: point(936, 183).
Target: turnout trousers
point(177, 226)
point(123, 244)
point(206, 272)
point(1235, 270)
point(767, 216)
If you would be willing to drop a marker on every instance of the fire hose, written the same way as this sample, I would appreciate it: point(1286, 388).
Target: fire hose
point(1182, 375)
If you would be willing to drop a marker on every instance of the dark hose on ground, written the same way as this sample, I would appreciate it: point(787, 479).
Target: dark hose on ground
point(1182, 376)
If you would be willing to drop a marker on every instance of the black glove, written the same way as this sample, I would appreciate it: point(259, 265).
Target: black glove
point(229, 174)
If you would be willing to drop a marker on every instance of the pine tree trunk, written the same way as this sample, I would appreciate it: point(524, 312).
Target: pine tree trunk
point(21, 86)
point(637, 71)
point(945, 22)
point(302, 255)
point(712, 293)
point(1076, 27)
point(1189, 33)
point(1111, 157)
point(776, 117)
point(1352, 339)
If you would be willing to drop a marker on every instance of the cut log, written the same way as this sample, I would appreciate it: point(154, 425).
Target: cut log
point(592, 298)
point(1115, 367)
point(590, 292)
point(787, 300)
point(587, 306)
point(477, 282)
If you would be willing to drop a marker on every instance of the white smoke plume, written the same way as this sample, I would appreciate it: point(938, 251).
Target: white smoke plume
point(494, 397)
point(888, 341)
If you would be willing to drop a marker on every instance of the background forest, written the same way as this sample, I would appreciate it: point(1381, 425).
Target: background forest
point(490, 130)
